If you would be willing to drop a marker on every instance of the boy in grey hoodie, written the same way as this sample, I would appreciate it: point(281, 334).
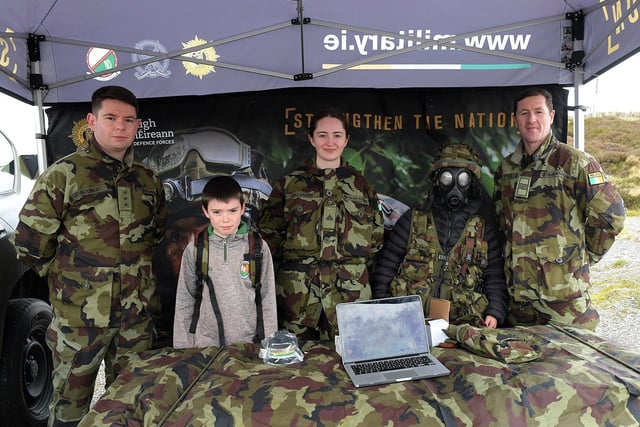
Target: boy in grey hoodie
point(229, 274)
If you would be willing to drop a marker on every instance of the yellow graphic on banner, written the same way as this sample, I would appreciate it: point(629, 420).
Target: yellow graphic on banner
point(81, 134)
point(8, 47)
point(625, 15)
point(209, 54)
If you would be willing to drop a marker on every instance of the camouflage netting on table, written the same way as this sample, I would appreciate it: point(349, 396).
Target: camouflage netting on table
point(579, 379)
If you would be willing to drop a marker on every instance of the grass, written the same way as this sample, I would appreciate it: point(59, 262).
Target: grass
point(609, 296)
point(615, 142)
point(616, 286)
point(619, 263)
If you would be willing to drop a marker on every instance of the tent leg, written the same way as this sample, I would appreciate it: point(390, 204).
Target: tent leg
point(37, 87)
point(41, 137)
point(578, 112)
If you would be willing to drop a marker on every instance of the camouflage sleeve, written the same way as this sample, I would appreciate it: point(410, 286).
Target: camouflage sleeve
point(161, 212)
point(269, 309)
point(273, 224)
point(603, 207)
point(35, 237)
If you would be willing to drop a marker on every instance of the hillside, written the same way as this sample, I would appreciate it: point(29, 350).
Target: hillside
point(615, 142)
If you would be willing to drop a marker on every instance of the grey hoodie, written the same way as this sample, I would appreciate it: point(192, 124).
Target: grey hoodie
point(234, 292)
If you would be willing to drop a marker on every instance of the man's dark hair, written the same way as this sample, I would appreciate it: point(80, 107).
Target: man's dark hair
point(118, 93)
point(223, 188)
point(328, 111)
point(534, 91)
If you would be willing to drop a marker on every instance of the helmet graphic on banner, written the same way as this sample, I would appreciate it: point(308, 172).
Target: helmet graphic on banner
point(200, 154)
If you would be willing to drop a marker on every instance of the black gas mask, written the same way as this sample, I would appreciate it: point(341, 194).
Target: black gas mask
point(453, 186)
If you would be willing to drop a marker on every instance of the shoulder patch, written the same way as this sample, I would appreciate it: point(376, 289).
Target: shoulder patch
point(597, 178)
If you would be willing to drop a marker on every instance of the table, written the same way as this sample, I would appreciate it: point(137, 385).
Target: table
point(580, 379)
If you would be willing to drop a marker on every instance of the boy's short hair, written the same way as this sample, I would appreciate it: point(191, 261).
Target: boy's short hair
point(223, 188)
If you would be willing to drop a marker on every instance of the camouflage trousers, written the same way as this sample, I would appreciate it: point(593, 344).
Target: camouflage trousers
point(77, 353)
point(578, 312)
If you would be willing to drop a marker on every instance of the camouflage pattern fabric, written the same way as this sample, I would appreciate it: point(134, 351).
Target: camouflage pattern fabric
point(90, 224)
point(457, 156)
point(324, 227)
point(559, 213)
point(77, 354)
point(577, 311)
point(504, 345)
point(456, 276)
point(578, 380)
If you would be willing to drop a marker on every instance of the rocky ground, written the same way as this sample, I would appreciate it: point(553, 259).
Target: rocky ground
point(616, 292)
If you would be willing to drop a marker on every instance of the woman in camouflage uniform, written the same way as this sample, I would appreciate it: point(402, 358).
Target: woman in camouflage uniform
point(323, 225)
point(448, 248)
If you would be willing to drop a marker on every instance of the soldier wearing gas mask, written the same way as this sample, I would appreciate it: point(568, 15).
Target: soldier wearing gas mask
point(448, 248)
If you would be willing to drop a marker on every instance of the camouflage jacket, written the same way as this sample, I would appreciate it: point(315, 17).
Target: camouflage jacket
point(324, 228)
point(466, 267)
point(559, 213)
point(323, 214)
point(91, 223)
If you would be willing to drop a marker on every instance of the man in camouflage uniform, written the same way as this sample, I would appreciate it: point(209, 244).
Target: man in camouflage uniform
point(449, 247)
point(324, 226)
point(90, 225)
point(558, 213)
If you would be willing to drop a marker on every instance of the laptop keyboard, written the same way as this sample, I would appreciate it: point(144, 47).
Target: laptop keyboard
point(391, 364)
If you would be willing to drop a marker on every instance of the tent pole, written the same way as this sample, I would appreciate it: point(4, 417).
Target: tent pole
point(578, 111)
point(301, 20)
point(299, 9)
point(37, 88)
point(41, 138)
point(576, 65)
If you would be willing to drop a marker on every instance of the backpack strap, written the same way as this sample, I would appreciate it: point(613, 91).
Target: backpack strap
point(216, 310)
point(202, 274)
point(200, 280)
point(474, 236)
point(254, 257)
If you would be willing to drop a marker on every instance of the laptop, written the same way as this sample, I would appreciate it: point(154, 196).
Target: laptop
point(385, 340)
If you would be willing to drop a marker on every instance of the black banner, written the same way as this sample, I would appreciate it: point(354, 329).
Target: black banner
point(260, 136)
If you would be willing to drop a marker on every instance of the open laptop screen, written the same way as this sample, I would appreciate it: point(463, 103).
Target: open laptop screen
point(382, 328)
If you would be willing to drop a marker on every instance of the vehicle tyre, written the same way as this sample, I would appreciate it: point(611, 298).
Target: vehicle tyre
point(26, 367)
